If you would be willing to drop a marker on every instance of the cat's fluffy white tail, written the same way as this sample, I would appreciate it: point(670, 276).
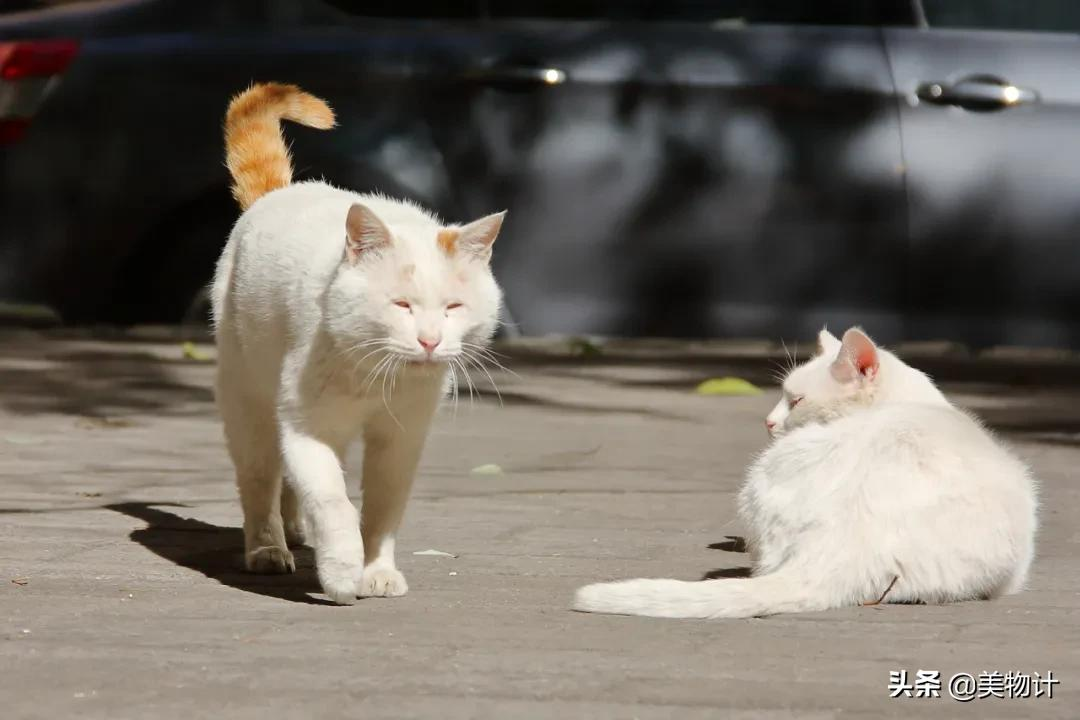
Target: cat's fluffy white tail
point(255, 151)
point(777, 592)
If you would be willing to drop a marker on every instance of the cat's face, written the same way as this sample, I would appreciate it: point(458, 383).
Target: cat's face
point(419, 294)
point(845, 376)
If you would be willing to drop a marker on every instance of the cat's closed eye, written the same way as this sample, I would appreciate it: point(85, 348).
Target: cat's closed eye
point(453, 306)
point(403, 304)
point(794, 401)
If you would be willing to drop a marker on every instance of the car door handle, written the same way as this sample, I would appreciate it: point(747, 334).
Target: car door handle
point(977, 93)
point(513, 78)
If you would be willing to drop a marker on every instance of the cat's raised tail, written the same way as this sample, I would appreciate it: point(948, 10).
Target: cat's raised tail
point(778, 592)
point(255, 150)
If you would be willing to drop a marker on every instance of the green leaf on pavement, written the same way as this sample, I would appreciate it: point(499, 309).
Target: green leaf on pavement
point(727, 386)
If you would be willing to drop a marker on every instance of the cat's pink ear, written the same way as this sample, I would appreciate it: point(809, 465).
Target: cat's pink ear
point(478, 236)
point(857, 358)
point(827, 344)
point(363, 231)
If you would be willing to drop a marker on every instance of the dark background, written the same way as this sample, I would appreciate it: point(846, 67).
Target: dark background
point(681, 169)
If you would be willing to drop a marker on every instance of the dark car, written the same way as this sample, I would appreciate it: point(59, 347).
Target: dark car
point(678, 168)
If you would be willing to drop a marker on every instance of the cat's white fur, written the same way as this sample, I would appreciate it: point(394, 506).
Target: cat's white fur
point(314, 352)
point(874, 479)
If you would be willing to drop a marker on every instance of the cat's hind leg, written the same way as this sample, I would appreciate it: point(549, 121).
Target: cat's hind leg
point(291, 516)
point(252, 437)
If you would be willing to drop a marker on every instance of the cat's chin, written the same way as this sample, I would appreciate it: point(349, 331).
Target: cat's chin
point(426, 363)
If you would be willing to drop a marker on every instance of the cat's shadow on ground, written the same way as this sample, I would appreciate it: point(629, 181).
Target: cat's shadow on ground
point(214, 551)
point(731, 543)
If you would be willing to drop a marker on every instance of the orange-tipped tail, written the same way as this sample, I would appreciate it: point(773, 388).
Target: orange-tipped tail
point(255, 150)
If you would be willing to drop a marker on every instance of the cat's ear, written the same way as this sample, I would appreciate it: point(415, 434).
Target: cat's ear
point(827, 344)
point(363, 231)
point(477, 237)
point(857, 358)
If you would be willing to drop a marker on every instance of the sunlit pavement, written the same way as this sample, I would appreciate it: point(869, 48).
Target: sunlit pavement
point(121, 596)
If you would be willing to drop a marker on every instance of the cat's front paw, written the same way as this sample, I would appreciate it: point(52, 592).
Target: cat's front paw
point(340, 580)
point(382, 581)
point(270, 560)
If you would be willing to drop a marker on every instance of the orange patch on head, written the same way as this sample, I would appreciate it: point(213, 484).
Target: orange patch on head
point(447, 239)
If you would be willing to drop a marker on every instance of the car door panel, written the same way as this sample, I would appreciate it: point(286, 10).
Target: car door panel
point(994, 188)
point(692, 180)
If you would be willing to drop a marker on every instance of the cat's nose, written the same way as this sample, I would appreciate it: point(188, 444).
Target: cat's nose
point(429, 344)
point(769, 425)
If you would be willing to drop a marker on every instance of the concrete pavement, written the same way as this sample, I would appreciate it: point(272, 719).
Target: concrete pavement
point(121, 596)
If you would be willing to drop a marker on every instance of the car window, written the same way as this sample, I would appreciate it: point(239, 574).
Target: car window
point(715, 12)
point(1039, 15)
point(15, 6)
point(410, 9)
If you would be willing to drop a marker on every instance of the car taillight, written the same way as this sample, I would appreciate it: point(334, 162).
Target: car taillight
point(12, 130)
point(27, 69)
point(39, 58)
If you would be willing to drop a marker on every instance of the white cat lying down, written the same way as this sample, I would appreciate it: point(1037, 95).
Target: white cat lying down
point(876, 488)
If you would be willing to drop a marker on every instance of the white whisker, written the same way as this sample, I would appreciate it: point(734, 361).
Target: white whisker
point(485, 349)
point(484, 370)
point(398, 363)
point(373, 374)
point(453, 385)
point(352, 350)
point(388, 367)
point(468, 380)
point(360, 362)
point(488, 356)
point(380, 346)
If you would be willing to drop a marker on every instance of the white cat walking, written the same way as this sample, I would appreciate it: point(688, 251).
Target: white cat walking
point(876, 489)
point(337, 315)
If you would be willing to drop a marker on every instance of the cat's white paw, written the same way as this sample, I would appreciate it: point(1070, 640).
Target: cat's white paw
point(270, 560)
point(382, 581)
point(340, 590)
point(340, 580)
